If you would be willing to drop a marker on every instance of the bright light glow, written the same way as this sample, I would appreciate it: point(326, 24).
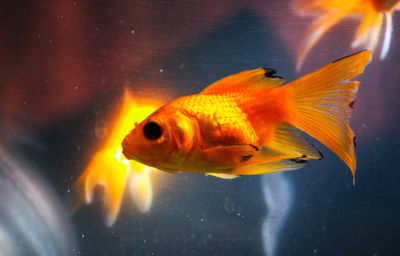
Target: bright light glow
point(111, 170)
point(141, 190)
point(388, 35)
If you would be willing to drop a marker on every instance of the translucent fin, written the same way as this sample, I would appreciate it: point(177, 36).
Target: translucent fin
point(111, 171)
point(270, 167)
point(286, 143)
point(317, 30)
point(268, 154)
point(224, 176)
point(319, 7)
point(388, 35)
point(260, 78)
point(375, 32)
point(141, 189)
point(102, 171)
point(287, 140)
point(364, 29)
point(322, 104)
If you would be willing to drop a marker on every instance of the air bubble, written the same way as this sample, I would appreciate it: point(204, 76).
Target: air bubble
point(100, 129)
point(229, 206)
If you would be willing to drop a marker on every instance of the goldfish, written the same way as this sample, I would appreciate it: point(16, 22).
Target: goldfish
point(110, 170)
point(329, 12)
point(249, 123)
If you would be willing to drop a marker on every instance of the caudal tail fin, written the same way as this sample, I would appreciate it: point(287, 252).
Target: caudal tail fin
point(323, 101)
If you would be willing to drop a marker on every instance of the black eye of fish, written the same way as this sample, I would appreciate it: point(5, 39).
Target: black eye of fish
point(152, 130)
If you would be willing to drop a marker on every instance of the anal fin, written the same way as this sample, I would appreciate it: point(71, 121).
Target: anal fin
point(270, 167)
point(288, 141)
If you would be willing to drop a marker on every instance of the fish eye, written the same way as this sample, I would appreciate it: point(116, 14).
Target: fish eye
point(152, 130)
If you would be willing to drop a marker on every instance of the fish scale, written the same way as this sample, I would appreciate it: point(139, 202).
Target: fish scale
point(220, 118)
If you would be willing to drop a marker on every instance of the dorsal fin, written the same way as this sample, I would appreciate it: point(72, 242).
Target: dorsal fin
point(260, 78)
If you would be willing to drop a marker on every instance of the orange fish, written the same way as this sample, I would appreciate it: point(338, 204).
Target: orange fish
point(248, 123)
point(330, 12)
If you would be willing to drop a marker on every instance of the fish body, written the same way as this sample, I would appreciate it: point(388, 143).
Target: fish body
point(371, 14)
point(234, 118)
point(248, 123)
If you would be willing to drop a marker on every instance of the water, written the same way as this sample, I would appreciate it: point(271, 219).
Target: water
point(63, 73)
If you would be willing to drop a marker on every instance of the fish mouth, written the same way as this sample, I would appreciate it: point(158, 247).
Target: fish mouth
point(126, 153)
point(127, 149)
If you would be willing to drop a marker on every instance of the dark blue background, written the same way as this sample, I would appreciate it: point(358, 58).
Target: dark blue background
point(190, 216)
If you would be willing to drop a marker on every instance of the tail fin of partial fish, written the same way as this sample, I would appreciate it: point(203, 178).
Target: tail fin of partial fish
point(323, 101)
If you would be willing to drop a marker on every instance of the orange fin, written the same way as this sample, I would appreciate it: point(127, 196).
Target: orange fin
point(285, 143)
point(270, 167)
point(141, 190)
point(287, 140)
point(364, 29)
point(374, 32)
point(315, 32)
point(101, 171)
point(322, 103)
point(260, 78)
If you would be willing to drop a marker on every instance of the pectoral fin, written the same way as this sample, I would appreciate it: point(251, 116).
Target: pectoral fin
point(288, 141)
point(107, 171)
point(231, 155)
point(270, 167)
point(250, 160)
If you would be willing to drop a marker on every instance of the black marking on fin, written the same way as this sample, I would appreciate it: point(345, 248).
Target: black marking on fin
point(298, 161)
point(270, 73)
point(246, 158)
point(351, 104)
point(255, 147)
point(320, 153)
point(348, 56)
point(354, 141)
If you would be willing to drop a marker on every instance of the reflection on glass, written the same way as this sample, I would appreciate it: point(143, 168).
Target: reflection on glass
point(111, 170)
point(371, 13)
point(278, 199)
point(32, 220)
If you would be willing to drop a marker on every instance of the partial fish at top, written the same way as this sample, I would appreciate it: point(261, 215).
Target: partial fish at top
point(330, 12)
